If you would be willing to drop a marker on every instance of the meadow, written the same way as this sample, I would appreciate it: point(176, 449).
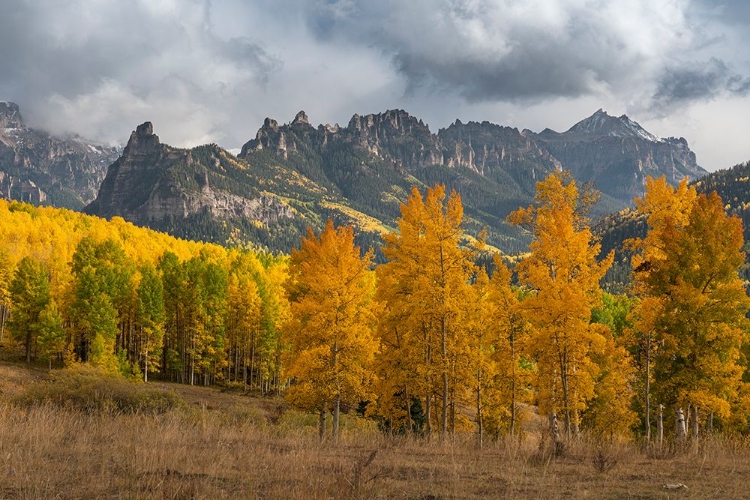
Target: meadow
point(209, 442)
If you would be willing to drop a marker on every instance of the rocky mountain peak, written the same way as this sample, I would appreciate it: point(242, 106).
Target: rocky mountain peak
point(601, 124)
point(142, 140)
point(38, 167)
point(301, 119)
point(270, 123)
point(393, 120)
point(617, 154)
point(10, 115)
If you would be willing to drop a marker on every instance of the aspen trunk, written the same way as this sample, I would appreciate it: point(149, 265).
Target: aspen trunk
point(660, 425)
point(554, 429)
point(428, 411)
point(444, 415)
point(648, 388)
point(679, 427)
point(336, 412)
point(694, 422)
point(28, 347)
point(513, 389)
point(480, 428)
point(3, 319)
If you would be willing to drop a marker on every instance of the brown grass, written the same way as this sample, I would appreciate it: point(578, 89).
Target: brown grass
point(237, 451)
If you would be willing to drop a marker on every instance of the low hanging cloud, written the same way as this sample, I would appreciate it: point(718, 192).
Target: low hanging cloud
point(97, 67)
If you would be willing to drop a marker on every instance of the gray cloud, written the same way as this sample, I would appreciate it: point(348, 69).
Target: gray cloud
point(211, 70)
point(488, 50)
point(63, 60)
point(694, 82)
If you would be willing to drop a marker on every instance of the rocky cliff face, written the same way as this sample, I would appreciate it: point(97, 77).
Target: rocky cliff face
point(153, 182)
point(495, 151)
point(393, 136)
point(617, 154)
point(39, 168)
point(361, 173)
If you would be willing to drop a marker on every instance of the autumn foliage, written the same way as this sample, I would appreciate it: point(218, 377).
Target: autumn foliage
point(429, 342)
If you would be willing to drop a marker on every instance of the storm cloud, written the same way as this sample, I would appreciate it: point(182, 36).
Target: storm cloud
point(211, 70)
point(537, 49)
point(682, 85)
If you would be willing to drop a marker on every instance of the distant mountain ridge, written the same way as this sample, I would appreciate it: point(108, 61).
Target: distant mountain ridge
point(295, 175)
point(43, 169)
point(617, 154)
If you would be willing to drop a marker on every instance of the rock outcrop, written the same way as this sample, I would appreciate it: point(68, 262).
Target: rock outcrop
point(152, 182)
point(615, 153)
point(40, 168)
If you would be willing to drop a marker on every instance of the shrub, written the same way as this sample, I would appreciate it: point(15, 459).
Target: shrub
point(91, 390)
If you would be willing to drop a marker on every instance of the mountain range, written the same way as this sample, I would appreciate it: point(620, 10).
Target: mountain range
point(43, 169)
point(295, 175)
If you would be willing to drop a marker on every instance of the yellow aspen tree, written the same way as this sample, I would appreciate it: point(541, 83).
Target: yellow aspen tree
point(422, 287)
point(510, 332)
point(609, 414)
point(480, 348)
point(693, 302)
point(243, 322)
point(563, 274)
point(6, 275)
point(331, 330)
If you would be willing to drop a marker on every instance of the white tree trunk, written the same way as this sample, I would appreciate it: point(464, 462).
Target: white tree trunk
point(679, 426)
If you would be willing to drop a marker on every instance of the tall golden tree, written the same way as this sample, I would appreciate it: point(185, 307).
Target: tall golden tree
point(331, 330)
point(422, 287)
point(693, 301)
point(563, 273)
point(511, 331)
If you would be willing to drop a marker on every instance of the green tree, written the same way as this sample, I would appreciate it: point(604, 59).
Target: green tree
point(6, 276)
point(103, 306)
point(205, 301)
point(30, 294)
point(150, 317)
point(52, 338)
point(174, 353)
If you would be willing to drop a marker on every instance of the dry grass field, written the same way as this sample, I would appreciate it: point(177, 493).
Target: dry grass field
point(228, 445)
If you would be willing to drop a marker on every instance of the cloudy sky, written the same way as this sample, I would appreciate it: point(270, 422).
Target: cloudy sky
point(212, 70)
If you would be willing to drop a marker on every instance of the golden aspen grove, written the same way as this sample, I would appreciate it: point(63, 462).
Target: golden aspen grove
point(429, 343)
